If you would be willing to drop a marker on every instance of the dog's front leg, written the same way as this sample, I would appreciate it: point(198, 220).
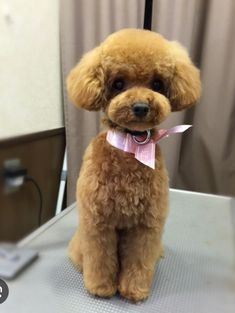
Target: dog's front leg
point(100, 261)
point(139, 249)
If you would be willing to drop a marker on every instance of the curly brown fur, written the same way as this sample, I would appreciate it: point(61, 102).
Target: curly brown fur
point(122, 203)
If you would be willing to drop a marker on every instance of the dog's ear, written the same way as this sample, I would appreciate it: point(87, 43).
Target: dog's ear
point(85, 82)
point(185, 87)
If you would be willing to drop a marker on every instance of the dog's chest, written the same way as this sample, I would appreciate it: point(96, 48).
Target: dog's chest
point(128, 187)
point(131, 194)
point(118, 188)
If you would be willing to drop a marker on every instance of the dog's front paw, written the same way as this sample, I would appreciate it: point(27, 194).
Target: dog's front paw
point(133, 289)
point(104, 290)
point(133, 293)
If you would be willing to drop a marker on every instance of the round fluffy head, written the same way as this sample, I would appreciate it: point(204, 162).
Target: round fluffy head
point(136, 77)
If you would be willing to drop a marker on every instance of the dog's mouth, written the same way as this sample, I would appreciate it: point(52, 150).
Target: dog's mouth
point(136, 132)
point(140, 135)
point(135, 128)
point(140, 125)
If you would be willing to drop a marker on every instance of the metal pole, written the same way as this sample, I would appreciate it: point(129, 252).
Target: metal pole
point(148, 14)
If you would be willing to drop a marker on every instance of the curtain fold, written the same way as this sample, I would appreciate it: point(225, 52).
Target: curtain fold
point(207, 161)
point(179, 20)
point(202, 159)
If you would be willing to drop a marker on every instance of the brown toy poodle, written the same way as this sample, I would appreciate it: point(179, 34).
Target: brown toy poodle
point(136, 77)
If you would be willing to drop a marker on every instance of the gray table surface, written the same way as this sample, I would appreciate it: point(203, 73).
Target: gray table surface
point(196, 275)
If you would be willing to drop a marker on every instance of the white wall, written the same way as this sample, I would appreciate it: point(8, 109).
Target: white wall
point(30, 79)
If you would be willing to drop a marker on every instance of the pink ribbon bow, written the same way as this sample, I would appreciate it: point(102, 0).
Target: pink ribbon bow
point(145, 153)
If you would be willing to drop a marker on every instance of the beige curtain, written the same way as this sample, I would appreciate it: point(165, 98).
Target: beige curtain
point(204, 158)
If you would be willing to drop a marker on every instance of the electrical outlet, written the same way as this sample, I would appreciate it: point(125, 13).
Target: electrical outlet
point(14, 175)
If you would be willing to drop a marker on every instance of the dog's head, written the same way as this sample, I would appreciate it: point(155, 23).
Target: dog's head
point(137, 78)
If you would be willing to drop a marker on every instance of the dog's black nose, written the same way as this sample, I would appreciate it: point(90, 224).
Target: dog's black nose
point(140, 109)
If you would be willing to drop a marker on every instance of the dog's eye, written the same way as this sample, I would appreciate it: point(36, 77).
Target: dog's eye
point(118, 84)
point(158, 86)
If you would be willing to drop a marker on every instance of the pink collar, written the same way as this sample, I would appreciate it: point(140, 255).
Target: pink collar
point(142, 148)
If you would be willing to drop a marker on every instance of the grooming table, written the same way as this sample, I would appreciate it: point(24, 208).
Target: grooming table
point(196, 275)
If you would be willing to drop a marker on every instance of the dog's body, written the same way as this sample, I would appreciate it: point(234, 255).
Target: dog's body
point(123, 206)
point(122, 203)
